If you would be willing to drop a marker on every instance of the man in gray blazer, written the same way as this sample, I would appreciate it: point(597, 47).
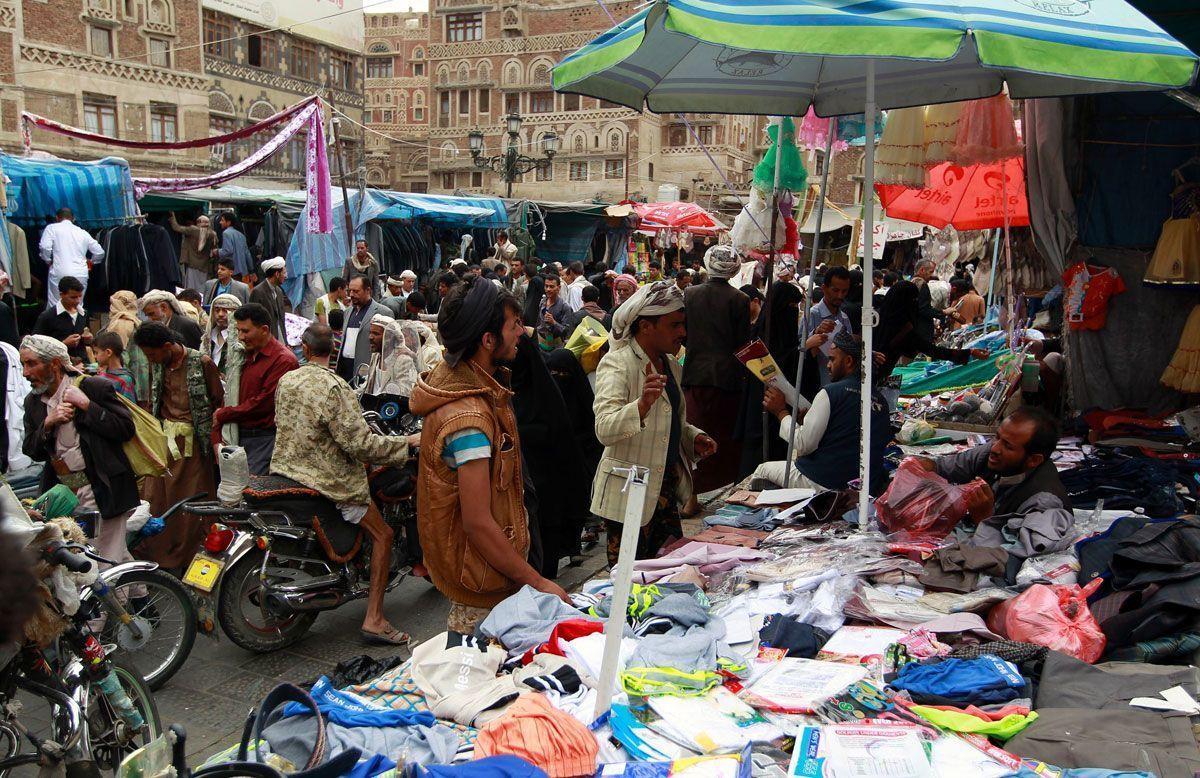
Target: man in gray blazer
point(356, 340)
point(225, 283)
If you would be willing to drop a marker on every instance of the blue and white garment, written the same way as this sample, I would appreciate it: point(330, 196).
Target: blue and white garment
point(465, 446)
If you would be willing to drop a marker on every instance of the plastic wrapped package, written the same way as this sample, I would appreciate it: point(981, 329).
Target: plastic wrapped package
point(1061, 569)
point(1053, 616)
point(235, 474)
point(920, 502)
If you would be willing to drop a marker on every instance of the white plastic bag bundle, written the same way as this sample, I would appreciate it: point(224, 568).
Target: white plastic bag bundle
point(1062, 569)
point(138, 518)
point(235, 474)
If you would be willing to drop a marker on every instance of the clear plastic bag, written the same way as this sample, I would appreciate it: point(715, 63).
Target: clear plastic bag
point(1053, 616)
point(919, 502)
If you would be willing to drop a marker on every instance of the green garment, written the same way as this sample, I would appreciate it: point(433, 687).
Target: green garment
point(792, 174)
point(975, 373)
point(57, 502)
point(964, 722)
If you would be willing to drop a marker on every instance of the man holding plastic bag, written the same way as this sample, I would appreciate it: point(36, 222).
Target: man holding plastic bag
point(1022, 506)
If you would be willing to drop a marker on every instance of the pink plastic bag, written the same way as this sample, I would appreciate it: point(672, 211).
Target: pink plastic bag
point(919, 502)
point(1056, 617)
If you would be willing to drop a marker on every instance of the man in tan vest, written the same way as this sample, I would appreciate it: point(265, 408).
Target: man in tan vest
point(470, 500)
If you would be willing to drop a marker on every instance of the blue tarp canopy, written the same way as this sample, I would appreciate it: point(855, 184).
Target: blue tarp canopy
point(99, 192)
point(313, 253)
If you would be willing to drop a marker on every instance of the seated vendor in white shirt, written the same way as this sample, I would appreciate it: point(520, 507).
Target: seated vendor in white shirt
point(826, 444)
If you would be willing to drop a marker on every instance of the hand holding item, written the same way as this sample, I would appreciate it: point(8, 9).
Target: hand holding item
point(75, 396)
point(774, 401)
point(71, 341)
point(816, 341)
point(705, 446)
point(981, 501)
point(546, 586)
point(826, 327)
point(61, 414)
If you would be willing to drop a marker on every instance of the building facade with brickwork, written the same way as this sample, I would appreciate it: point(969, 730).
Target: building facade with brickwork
point(434, 77)
point(127, 68)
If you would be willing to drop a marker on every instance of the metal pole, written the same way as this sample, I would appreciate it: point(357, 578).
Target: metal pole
point(622, 578)
point(812, 271)
point(770, 268)
point(992, 282)
point(625, 167)
point(341, 164)
point(510, 164)
point(864, 446)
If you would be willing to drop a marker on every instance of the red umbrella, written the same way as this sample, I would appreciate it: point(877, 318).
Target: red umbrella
point(678, 216)
point(970, 198)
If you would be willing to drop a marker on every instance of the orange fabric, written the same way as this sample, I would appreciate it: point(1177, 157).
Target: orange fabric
point(539, 733)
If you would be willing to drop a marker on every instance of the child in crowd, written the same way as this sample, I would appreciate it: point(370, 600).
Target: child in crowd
point(109, 356)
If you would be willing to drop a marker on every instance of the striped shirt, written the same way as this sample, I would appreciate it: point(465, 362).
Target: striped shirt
point(465, 446)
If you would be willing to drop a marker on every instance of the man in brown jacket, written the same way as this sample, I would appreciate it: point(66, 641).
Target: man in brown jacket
point(470, 499)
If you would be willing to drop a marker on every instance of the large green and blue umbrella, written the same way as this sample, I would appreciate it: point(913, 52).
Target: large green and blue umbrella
point(778, 56)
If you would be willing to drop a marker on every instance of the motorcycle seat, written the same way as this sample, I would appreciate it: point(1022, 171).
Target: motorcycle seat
point(306, 508)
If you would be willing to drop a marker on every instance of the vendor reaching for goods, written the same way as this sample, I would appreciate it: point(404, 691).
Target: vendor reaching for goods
point(1024, 506)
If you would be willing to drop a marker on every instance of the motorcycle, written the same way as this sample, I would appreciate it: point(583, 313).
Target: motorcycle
point(270, 565)
point(102, 708)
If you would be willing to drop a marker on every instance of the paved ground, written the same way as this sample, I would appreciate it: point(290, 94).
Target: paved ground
point(212, 693)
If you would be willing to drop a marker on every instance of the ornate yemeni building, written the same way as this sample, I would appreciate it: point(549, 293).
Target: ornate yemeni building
point(433, 77)
point(255, 71)
point(127, 68)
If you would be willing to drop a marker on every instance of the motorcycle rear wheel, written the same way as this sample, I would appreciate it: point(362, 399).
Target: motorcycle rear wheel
point(244, 621)
point(109, 739)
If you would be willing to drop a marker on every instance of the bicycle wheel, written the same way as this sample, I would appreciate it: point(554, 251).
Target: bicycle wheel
point(110, 739)
point(165, 617)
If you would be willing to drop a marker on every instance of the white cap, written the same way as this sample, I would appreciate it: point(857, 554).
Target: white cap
point(275, 263)
point(458, 261)
point(409, 274)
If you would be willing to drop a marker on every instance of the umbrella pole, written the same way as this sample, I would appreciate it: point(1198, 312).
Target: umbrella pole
point(992, 280)
point(622, 579)
point(868, 355)
point(812, 271)
point(770, 270)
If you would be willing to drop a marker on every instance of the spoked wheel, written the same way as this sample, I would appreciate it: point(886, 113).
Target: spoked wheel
point(163, 627)
point(110, 738)
point(243, 614)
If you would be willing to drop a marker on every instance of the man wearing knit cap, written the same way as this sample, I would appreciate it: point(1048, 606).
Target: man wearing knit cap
point(470, 498)
point(827, 443)
point(269, 295)
point(718, 317)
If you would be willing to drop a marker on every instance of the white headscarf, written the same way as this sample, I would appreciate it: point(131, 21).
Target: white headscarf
point(722, 262)
point(227, 302)
point(160, 296)
point(657, 299)
point(275, 263)
point(394, 369)
point(48, 348)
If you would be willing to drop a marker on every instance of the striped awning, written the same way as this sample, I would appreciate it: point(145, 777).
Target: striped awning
point(779, 56)
point(100, 193)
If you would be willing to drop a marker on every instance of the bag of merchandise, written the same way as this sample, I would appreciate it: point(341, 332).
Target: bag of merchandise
point(588, 333)
point(1056, 617)
point(235, 474)
point(919, 502)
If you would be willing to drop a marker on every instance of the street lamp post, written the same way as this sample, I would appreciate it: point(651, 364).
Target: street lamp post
point(512, 163)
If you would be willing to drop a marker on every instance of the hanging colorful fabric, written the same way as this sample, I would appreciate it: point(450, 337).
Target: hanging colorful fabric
point(941, 132)
point(318, 207)
point(814, 131)
point(792, 174)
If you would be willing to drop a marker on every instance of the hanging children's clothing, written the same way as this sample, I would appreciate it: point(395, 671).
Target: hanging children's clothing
point(941, 132)
point(986, 132)
point(1087, 292)
point(1176, 260)
point(1183, 373)
point(900, 159)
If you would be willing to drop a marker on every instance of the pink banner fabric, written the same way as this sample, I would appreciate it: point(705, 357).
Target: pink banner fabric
point(29, 120)
point(318, 208)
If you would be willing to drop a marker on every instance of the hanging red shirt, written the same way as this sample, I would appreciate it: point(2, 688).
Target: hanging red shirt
point(1087, 290)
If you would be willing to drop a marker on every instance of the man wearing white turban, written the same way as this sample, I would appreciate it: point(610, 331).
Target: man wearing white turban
point(641, 418)
point(77, 428)
point(163, 307)
point(718, 325)
point(269, 295)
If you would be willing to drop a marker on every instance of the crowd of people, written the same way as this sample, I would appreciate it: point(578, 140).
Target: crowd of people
point(524, 455)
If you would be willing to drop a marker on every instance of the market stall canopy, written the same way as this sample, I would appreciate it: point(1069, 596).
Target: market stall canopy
point(315, 252)
point(99, 192)
point(677, 216)
point(225, 195)
point(970, 198)
point(750, 57)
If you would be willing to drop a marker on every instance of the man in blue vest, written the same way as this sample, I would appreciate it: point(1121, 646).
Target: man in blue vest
point(826, 444)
